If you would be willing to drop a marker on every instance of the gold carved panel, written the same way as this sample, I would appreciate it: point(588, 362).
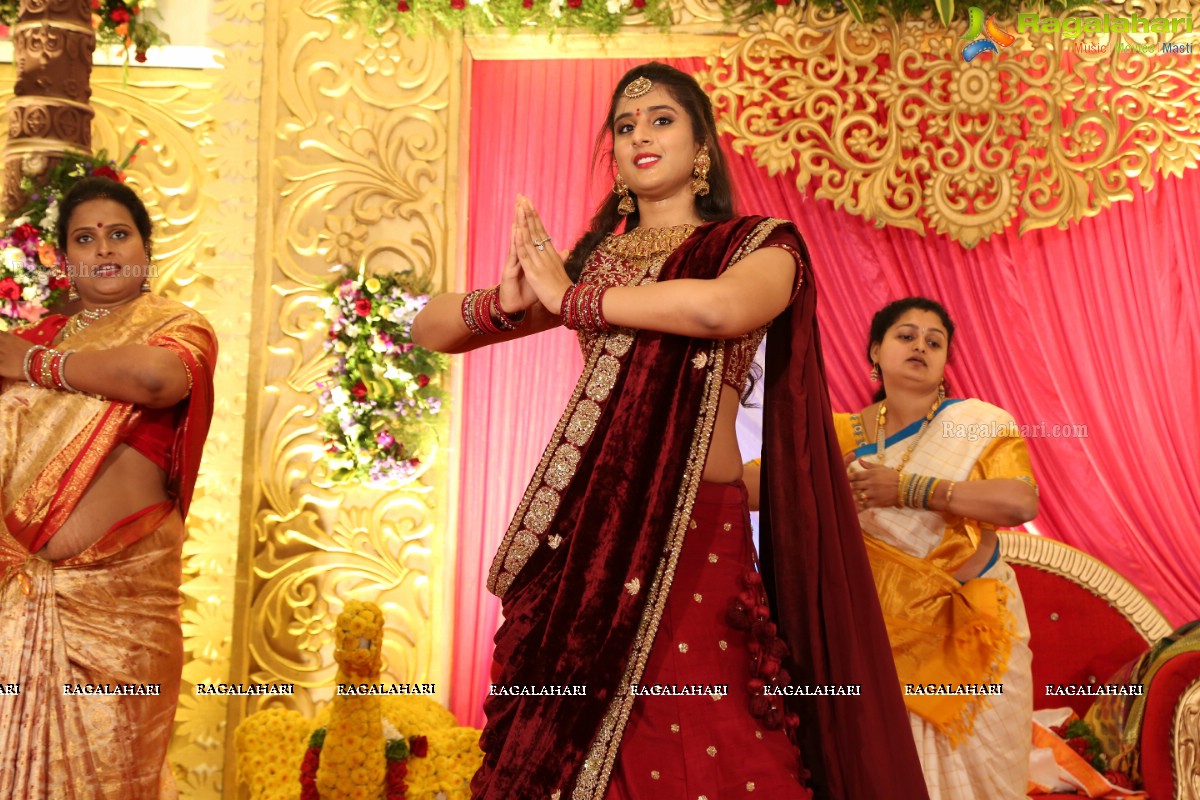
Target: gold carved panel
point(184, 176)
point(1185, 743)
point(889, 123)
point(358, 165)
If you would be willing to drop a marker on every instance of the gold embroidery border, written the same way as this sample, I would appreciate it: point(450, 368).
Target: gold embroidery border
point(496, 583)
point(602, 754)
point(593, 780)
point(1092, 574)
point(501, 575)
point(757, 236)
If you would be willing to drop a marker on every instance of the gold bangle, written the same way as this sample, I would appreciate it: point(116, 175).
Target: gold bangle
point(949, 494)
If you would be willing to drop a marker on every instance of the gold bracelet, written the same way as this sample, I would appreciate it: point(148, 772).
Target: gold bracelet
point(949, 494)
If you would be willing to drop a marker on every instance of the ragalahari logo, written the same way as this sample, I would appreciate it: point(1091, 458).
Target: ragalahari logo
point(992, 35)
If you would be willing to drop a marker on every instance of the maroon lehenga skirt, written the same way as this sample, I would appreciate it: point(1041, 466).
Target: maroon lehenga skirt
point(707, 746)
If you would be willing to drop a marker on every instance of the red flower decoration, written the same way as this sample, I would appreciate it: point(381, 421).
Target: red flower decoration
point(359, 391)
point(419, 745)
point(458, 5)
point(119, 15)
point(141, 59)
point(422, 381)
point(639, 3)
point(1078, 744)
point(60, 282)
point(574, 3)
point(1118, 779)
point(9, 289)
point(526, 3)
point(308, 775)
point(362, 306)
point(25, 233)
point(110, 173)
point(402, 6)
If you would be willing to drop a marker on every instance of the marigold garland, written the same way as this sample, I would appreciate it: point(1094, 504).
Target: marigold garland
point(363, 746)
point(382, 397)
point(398, 751)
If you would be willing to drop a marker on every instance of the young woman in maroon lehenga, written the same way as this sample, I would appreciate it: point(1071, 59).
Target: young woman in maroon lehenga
point(628, 566)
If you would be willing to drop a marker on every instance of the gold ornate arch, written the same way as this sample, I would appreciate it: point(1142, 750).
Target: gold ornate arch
point(889, 123)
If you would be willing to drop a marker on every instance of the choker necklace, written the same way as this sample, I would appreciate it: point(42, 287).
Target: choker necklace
point(80, 321)
point(881, 436)
point(643, 242)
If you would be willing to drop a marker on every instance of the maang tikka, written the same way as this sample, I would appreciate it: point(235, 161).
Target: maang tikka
point(638, 87)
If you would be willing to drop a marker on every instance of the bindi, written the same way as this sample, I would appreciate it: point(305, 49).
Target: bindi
point(637, 112)
point(99, 224)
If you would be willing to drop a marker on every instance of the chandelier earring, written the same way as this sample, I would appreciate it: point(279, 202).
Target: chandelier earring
point(627, 205)
point(700, 170)
point(874, 373)
point(150, 270)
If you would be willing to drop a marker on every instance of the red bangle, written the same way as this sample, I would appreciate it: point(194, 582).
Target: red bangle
point(505, 322)
point(583, 307)
point(476, 315)
point(56, 371)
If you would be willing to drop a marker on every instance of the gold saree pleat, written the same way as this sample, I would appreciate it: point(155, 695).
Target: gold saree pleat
point(108, 617)
point(74, 628)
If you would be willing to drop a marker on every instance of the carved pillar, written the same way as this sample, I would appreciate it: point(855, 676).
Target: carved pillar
point(49, 114)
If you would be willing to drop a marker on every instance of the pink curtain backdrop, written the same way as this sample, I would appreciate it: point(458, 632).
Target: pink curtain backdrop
point(1095, 326)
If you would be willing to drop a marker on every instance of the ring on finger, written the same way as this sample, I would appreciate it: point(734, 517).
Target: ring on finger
point(541, 245)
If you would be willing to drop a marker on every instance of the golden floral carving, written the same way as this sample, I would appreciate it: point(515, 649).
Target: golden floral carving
point(1040, 135)
point(343, 240)
point(174, 109)
point(1185, 743)
point(356, 165)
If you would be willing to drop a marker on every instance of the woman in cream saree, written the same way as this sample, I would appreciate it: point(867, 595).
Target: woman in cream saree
point(92, 637)
point(933, 478)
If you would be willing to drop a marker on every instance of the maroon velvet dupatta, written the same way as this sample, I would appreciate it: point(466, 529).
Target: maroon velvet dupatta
point(819, 580)
point(586, 566)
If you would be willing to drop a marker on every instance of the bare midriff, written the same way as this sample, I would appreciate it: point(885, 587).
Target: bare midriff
point(724, 464)
point(127, 483)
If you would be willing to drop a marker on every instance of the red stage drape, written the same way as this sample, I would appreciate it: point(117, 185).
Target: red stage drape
point(1094, 326)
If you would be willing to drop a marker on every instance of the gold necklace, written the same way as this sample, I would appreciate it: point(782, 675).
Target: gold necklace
point(78, 322)
point(881, 436)
point(642, 242)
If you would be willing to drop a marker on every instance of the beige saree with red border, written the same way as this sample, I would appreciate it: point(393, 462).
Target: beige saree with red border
point(92, 644)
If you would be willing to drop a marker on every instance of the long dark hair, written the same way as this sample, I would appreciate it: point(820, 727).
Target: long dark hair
point(715, 206)
point(886, 317)
point(99, 188)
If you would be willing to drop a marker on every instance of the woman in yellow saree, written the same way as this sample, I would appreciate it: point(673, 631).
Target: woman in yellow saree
point(102, 420)
point(933, 477)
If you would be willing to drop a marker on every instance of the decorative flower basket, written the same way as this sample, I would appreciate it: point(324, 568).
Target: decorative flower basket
point(382, 400)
